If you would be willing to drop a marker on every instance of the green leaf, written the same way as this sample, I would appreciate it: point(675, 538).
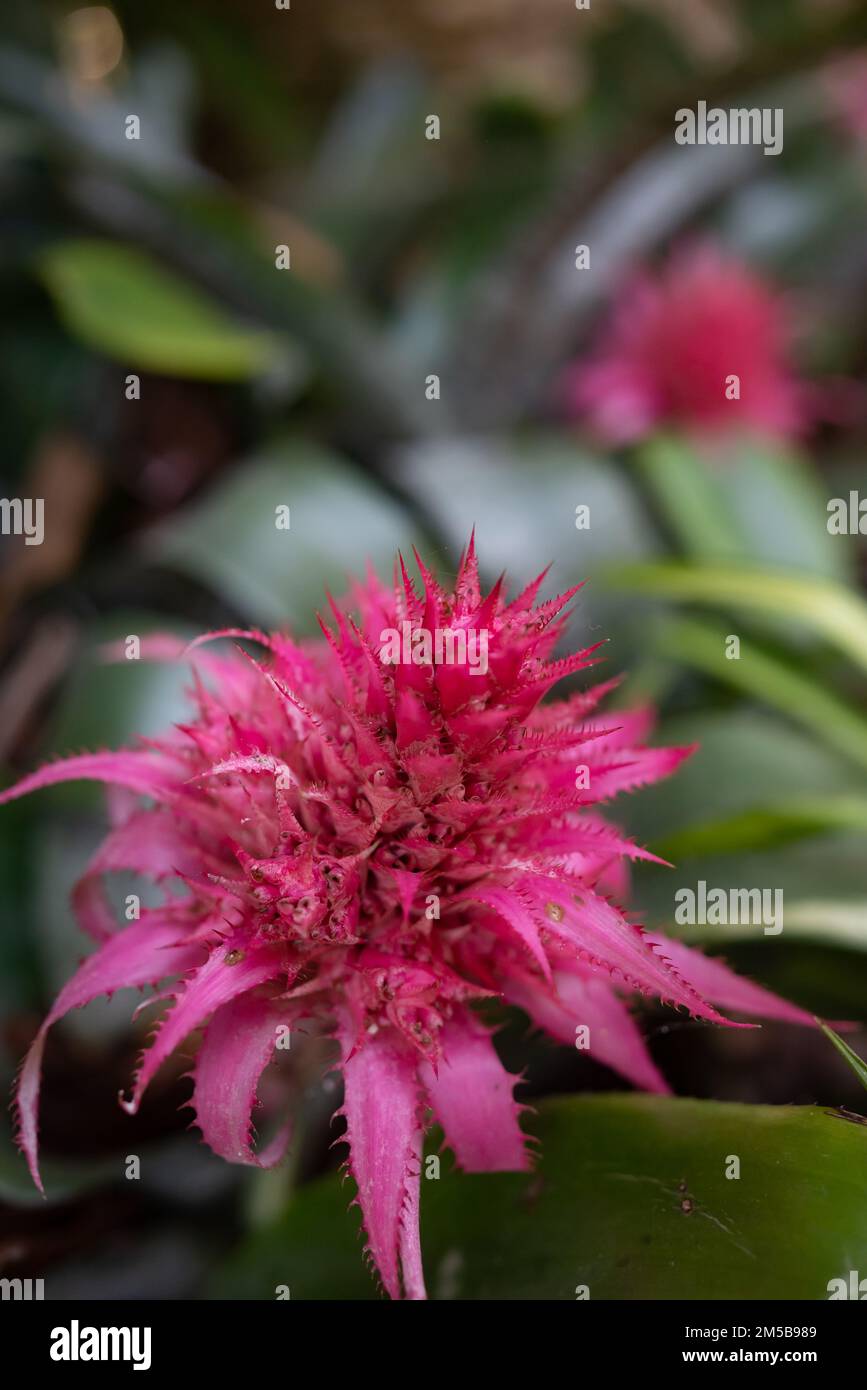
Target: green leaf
point(124, 304)
point(839, 924)
point(758, 673)
point(690, 497)
point(108, 703)
point(843, 923)
point(779, 506)
point(822, 883)
point(338, 520)
point(858, 1065)
point(746, 759)
point(108, 700)
point(821, 605)
point(765, 826)
point(631, 1199)
point(740, 813)
point(521, 495)
point(747, 500)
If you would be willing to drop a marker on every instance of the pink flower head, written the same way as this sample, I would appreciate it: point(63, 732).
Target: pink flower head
point(672, 346)
point(367, 848)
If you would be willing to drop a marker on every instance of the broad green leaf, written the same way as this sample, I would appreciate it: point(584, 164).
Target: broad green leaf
point(691, 499)
point(124, 304)
point(108, 703)
point(521, 495)
point(779, 505)
point(322, 315)
point(858, 1065)
point(365, 170)
point(842, 476)
point(821, 880)
point(726, 816)
point(763, 676)
point(745, 759)
point(821, 605)
point(631, 1199)
point(110, 700)
point(842, 924)
point(765, 826)
point(746, 500)
point(233, 539)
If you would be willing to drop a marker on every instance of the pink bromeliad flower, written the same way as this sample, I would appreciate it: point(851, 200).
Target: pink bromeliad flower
point(373, 832)
point(673, 342)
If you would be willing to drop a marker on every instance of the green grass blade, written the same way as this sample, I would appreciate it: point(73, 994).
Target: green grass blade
point(766, 678)
point(858, 1065)
point(821, 605)
point(764, 827)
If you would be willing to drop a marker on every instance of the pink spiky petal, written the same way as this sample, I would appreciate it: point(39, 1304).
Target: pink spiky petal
point(142, 954)
point(576, 999)
point(219, 980)
point(717, 981)
point(138, 772)
point(239, 1043)
point(381, 1106)
point(471, 1097)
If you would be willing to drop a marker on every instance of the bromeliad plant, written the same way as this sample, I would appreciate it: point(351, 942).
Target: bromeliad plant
point(368, 847)
point(678, 341)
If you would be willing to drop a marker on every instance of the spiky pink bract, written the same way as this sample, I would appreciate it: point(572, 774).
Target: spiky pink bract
point(366, 850)
point(673, 344)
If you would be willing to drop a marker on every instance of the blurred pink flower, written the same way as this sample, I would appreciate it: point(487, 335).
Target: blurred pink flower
point(368, 844)
point(844, 80)
point(674, 341)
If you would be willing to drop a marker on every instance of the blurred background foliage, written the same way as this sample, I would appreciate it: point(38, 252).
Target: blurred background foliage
point(305, 387)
